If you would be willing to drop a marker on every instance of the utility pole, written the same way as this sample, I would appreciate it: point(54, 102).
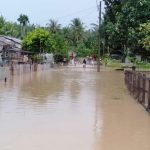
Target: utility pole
point(99, 38)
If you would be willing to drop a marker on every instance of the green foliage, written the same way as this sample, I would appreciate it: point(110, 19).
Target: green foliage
point(61, 44)
point(56, 40)
point(58, 58)
point(8, 28)
point(23, 19)
point(105, 59)
point(113, 63)
point(145, 31)
point(82, 51)
point(2, 21)
point(125, 27)
point(13, 29)
point(38, 41)
point(90, 39)
point(121, 24)
point(77, 30)
point(53, 27)
point(143, 65)
point(36, 58)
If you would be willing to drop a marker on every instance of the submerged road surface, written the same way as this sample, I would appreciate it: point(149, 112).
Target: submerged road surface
point(71, 109)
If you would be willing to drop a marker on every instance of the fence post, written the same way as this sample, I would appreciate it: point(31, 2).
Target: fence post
point(127, 74)
point(130, 82)
point(134, 82)
point(125, 78)
point(143, 89)
point(148, 106)
point(138, 87)
point(131, 89)
point(137, 77)
point(129, 79)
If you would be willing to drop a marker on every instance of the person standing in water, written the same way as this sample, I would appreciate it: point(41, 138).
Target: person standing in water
point(84, 63)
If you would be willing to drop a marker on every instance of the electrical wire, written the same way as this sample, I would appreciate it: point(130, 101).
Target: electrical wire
point(78, 12)
point(74, 13)
point(88, 15)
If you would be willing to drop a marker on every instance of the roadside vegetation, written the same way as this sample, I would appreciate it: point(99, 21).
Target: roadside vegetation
point(125, 31)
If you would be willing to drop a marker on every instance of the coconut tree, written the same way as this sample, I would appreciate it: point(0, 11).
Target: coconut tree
point(2, 23)
point(24, 20)
point(67, 35)
point(53, 26)
point(77, 28)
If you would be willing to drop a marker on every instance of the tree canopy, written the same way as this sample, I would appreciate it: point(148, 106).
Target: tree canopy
point(125, 27)
point(38, 41)
point(121, 24)
point(23, 19)
point(145, 31)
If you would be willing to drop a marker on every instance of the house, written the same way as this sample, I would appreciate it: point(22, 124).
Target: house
point(11, 51)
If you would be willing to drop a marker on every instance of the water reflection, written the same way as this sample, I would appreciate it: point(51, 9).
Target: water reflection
point(40, 88)
point(52, 108)
point(71, 109)
point(125, 123)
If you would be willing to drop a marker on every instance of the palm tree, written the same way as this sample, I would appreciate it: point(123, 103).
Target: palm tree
point(24, 20)
point(67, 35)
point(53, 26)
point(95, 27)
point(2, 21)
point(2, 24)
point(77, 30)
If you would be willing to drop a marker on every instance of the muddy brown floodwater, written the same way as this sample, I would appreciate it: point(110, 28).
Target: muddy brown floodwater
point(71, 109)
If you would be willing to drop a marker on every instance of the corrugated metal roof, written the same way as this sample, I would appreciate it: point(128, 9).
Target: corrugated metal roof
point(4, 41)
point(12, 39)
point(13, 42)
point(1, 47)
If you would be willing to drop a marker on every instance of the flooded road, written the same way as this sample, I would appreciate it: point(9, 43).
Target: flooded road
point(71, 109)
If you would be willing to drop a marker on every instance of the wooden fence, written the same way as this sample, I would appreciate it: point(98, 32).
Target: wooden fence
point(139, 87)
point(21, 69)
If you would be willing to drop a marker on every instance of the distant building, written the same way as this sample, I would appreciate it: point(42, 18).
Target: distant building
point(47, 58)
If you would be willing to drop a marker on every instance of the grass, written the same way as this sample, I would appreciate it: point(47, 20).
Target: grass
point(143, 66)
point(115, 64)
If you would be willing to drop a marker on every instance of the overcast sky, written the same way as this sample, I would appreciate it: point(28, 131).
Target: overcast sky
point(40, 11)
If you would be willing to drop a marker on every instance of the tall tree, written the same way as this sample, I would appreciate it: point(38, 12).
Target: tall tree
point(53, 26)
point(24, 20)
point(77, 28)
point(2, 23)
point(122, 21)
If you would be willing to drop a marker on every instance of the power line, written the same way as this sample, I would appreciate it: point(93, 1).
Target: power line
point(74, 13)
point(88, 15)
point(77, 12)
